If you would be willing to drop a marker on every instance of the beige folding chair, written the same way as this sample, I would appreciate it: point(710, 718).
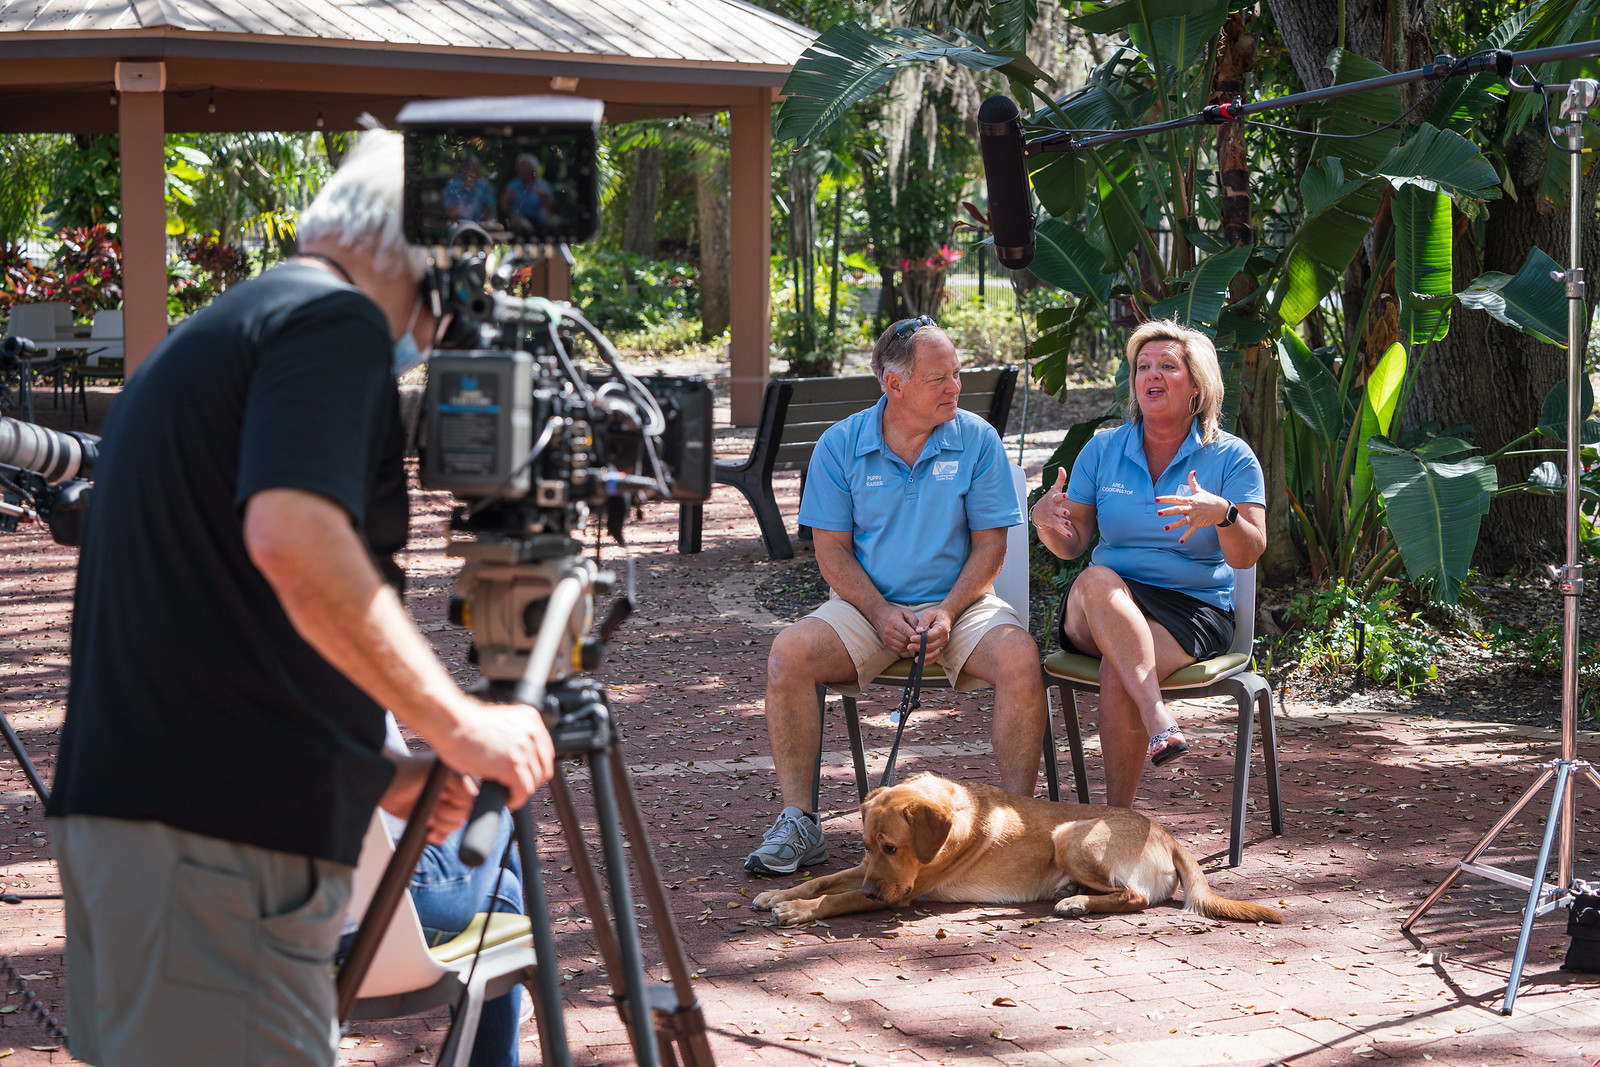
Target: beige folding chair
point(1227, 674)
point(407, 977)
point(1012, 587)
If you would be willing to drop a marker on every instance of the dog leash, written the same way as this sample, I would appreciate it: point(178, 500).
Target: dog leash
point(911, 701)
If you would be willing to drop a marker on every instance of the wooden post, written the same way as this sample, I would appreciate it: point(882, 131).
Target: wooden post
point(750, 257)
point(142, 128)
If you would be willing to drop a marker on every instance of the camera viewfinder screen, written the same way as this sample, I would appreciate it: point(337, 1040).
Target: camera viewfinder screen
point(517, 187)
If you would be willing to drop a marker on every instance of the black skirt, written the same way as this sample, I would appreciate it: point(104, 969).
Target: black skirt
point(1202, 630)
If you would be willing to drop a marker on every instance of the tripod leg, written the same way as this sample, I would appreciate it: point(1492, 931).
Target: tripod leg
point(692, 1025)
point(1477, 850)
point(550, 1017)
point(583, 867)
point(14, 743)
point(1536, 890)
point(630, 982)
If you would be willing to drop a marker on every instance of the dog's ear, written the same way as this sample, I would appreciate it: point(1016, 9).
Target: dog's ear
point(869, 797)
point(930, 825)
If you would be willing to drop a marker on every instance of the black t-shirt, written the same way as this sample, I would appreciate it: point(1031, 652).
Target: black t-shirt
point(194, 701)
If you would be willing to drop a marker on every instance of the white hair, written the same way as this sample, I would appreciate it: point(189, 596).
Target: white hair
point(360, 207)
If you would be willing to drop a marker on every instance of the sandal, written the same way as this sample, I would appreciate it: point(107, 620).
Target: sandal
point(1167, 746)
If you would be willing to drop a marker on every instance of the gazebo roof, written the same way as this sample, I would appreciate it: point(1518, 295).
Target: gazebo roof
point(705, 41)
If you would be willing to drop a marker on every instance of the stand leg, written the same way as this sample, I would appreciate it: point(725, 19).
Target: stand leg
point(630, 982)
point(14, 743)
point(1478, 849)
point(536, 902)
point(691, 1025)
point(1536, 890)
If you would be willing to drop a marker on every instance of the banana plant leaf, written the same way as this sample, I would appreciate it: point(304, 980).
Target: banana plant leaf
point(1433, 506)
point(1060, 180)
point(1200, 303)
point(848, 63)
point(1118, 225)
point(1327, 239)
point(1009, 21)
point(1423, 261)
point(1109, 18)
point(1440, 159)
point(1377, 412)
point(1064, 258)
point(1530, 300)
point(1051, 351)
point(1545, 480)
point(1177, 41)
point(1312, 393)
point(1553, 413)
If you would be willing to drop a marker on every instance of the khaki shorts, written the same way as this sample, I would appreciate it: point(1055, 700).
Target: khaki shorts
point(860, 638)
point(187, 949)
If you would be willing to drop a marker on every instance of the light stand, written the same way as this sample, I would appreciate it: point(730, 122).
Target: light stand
point(1543, 897)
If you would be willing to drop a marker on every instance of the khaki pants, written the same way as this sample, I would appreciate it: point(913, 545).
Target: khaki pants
point(187, 949)
point(866, 650)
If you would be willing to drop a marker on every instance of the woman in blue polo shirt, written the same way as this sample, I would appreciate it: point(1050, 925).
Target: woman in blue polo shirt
point(1179, 504)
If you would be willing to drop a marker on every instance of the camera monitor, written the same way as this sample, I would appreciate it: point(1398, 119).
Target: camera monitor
point(502, 170)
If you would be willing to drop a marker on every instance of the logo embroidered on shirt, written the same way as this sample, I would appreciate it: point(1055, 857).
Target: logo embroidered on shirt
point(1119, 488)
point(874, 481)
point(945, 469)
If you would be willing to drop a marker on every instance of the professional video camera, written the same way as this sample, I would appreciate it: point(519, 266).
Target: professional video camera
point(44, 474)
point(531, 441)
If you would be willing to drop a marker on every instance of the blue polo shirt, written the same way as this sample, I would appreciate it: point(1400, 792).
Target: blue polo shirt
point(1111, 473)
point(911, 525)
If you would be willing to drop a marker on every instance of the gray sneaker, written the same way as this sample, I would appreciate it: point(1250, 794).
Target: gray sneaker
point(794, 841)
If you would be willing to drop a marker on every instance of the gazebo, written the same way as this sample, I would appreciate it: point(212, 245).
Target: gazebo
point(141, 68)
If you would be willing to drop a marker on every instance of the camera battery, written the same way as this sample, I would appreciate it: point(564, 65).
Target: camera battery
point(479, 411)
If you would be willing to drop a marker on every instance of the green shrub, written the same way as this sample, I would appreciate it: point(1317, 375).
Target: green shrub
point(1333, 632)
point(619, 291)
point(987, 335)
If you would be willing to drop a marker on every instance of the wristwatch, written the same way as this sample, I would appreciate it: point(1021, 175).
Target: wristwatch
point(1233, 516)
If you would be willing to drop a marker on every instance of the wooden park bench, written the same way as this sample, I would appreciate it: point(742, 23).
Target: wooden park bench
point(794, 413)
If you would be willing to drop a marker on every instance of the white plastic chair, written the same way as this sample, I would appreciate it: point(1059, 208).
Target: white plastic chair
point(36, 322)
point(407, 977)
point(1227, 675)
point(1012, 587)
point(107, 330)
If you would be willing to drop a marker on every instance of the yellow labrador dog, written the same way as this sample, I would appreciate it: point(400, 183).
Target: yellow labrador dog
point(934, 839)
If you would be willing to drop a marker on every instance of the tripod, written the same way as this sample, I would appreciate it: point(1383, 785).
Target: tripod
point(1543, 897)
point(509, 588)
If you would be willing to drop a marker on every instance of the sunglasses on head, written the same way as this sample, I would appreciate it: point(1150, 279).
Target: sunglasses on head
point(911, 326)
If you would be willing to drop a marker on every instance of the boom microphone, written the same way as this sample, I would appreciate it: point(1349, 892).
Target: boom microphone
point(1010, 200)
point(54, 456)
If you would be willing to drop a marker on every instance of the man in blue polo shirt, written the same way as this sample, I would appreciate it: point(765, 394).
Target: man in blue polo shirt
point(908, 503)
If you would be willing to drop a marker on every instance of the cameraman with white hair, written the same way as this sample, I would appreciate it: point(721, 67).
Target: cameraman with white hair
point(238, 633)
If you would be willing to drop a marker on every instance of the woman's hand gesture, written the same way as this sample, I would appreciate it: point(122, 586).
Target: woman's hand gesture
point(1051, 511)
point(1194, 510)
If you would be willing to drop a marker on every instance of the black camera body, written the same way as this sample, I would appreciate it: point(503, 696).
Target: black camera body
point(513, 428)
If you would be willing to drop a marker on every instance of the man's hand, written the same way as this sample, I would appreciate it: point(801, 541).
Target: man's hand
point(898, 629)
point(411, 774)
point(505, 743)
point(936, 623)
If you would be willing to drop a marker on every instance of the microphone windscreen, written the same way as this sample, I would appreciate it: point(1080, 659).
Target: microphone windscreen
point(1006, 175)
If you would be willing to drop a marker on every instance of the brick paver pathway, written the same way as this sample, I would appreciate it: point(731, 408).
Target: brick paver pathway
point(1377, 809)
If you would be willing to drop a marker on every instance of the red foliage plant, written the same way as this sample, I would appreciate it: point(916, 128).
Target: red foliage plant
point(85, 272)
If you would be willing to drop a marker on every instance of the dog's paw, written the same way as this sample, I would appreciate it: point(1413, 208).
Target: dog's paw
point(794, 912)
point(764, 901)
point(1069, 890)
point(1072, 907)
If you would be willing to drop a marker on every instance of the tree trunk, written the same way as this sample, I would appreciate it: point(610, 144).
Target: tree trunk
point(1310, 30)
point(639, 234)
point(1494, 378)
point(1260, 417)
point(711, 199)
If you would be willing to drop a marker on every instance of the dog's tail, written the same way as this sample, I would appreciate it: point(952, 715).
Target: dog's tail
point(1198, 897)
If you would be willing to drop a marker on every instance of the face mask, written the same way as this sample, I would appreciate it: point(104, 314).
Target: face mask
point(406, 352)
